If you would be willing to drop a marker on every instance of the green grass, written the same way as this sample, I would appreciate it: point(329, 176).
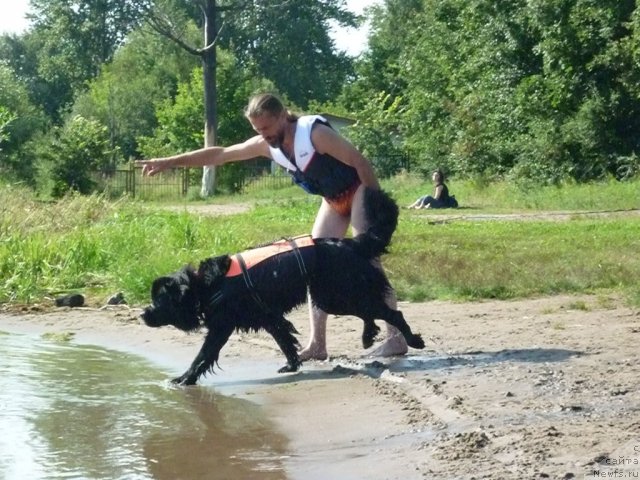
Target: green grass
point(513, 259)
point(98, 247)
point(503, 197)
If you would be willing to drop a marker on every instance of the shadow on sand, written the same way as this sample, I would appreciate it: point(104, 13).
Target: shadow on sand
point(343, 367)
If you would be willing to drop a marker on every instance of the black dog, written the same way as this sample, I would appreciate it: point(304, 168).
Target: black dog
point(228, 293)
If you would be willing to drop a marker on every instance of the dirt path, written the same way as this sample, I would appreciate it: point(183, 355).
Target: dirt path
point(211, 208)
point(541, 388)
point(549, 216)
point(465, 214)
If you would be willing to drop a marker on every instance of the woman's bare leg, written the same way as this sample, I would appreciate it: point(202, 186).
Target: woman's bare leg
point(328, 223)
point(395, 343)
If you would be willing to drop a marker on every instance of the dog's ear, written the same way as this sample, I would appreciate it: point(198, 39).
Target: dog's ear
point(160, 283)
point(214, 268)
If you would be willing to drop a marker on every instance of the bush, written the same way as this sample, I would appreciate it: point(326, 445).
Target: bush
point(77, 149)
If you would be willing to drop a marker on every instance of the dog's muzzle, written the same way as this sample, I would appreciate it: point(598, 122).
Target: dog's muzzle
point(150, 318)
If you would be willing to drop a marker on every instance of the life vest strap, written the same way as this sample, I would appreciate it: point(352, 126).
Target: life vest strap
point(256, 255)
point(298, 255)
point(241, 266)
point(252, 289)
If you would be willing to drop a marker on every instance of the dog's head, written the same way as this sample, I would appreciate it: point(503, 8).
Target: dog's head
point(174, 301)
point(180, 299)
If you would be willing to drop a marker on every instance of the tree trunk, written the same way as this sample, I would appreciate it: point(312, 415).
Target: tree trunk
point(209, 63)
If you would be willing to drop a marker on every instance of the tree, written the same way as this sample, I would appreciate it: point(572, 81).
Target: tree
point(377, 94)
point(6, 117)
point(295, 36)
point(390, 41)
point(169, 23)
point(589, 79)
point(461, 74)
point(376, 132)
point(177, 131)
point(22, 121)
point(289, 43)
point(81, 147)
point(20, 54)
point(539, 89)
point(124, 96)
point(73, 39)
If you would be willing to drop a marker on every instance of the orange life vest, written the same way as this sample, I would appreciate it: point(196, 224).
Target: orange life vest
point(256, 255)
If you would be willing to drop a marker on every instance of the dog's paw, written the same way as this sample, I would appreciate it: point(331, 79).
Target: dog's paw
point(369, 340)
point(416, 342)
point(369, 335)
point(289, 368)
point(184, 380)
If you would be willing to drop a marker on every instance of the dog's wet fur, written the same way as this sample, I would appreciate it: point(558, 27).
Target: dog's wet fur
point(342, 279)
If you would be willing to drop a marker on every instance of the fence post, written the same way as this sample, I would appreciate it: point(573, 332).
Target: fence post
point(132, 177)
point(185, 181)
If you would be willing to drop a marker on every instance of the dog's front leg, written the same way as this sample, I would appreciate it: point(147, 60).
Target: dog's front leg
point(369, 332)
point(207, 356)
point(282, 331)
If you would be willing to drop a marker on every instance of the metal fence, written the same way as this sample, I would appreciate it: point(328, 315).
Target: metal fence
point(391, 165)
point(179, 182)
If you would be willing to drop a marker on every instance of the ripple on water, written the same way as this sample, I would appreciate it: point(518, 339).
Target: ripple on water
point(79, 411)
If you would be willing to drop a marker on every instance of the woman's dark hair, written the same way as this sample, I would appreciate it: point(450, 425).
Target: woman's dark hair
point(440, 174)
point(266, 104)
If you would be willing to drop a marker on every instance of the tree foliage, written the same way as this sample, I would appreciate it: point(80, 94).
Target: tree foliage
point(288, 42)
point(525, 89)
point(22, 120)
point(124, 96)
point(82, 148)
point(543, 89)
point(67, 45)
point(180, 119)
point(6, 117)
point(80, 36)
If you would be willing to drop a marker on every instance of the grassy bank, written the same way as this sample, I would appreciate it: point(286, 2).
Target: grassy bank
point(99, 247)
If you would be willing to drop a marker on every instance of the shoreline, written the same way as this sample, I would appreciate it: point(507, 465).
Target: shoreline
point(535, 388)
point(302, 405)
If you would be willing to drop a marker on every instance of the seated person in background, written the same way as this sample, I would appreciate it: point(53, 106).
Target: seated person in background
point(440, 198)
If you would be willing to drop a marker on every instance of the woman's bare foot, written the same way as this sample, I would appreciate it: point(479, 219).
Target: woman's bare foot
point(395, 345)
point(313, 352)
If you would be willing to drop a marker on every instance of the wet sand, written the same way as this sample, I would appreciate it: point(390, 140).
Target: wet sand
point(540, 388)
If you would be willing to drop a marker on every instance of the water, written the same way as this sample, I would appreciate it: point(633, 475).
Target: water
point(82, 412)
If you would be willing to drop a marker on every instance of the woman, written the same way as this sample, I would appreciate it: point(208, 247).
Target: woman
point(440, 198)
point(320, 161)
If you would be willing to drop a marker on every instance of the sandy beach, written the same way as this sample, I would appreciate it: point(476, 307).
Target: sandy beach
point(538, 388)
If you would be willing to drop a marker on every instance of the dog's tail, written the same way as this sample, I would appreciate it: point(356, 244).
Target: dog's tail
point(382, 217)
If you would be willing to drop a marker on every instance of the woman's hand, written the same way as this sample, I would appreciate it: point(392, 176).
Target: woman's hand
point(154, 166)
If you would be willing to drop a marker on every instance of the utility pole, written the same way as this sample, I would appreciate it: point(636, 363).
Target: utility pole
point(164, 25)
point(209, 65)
